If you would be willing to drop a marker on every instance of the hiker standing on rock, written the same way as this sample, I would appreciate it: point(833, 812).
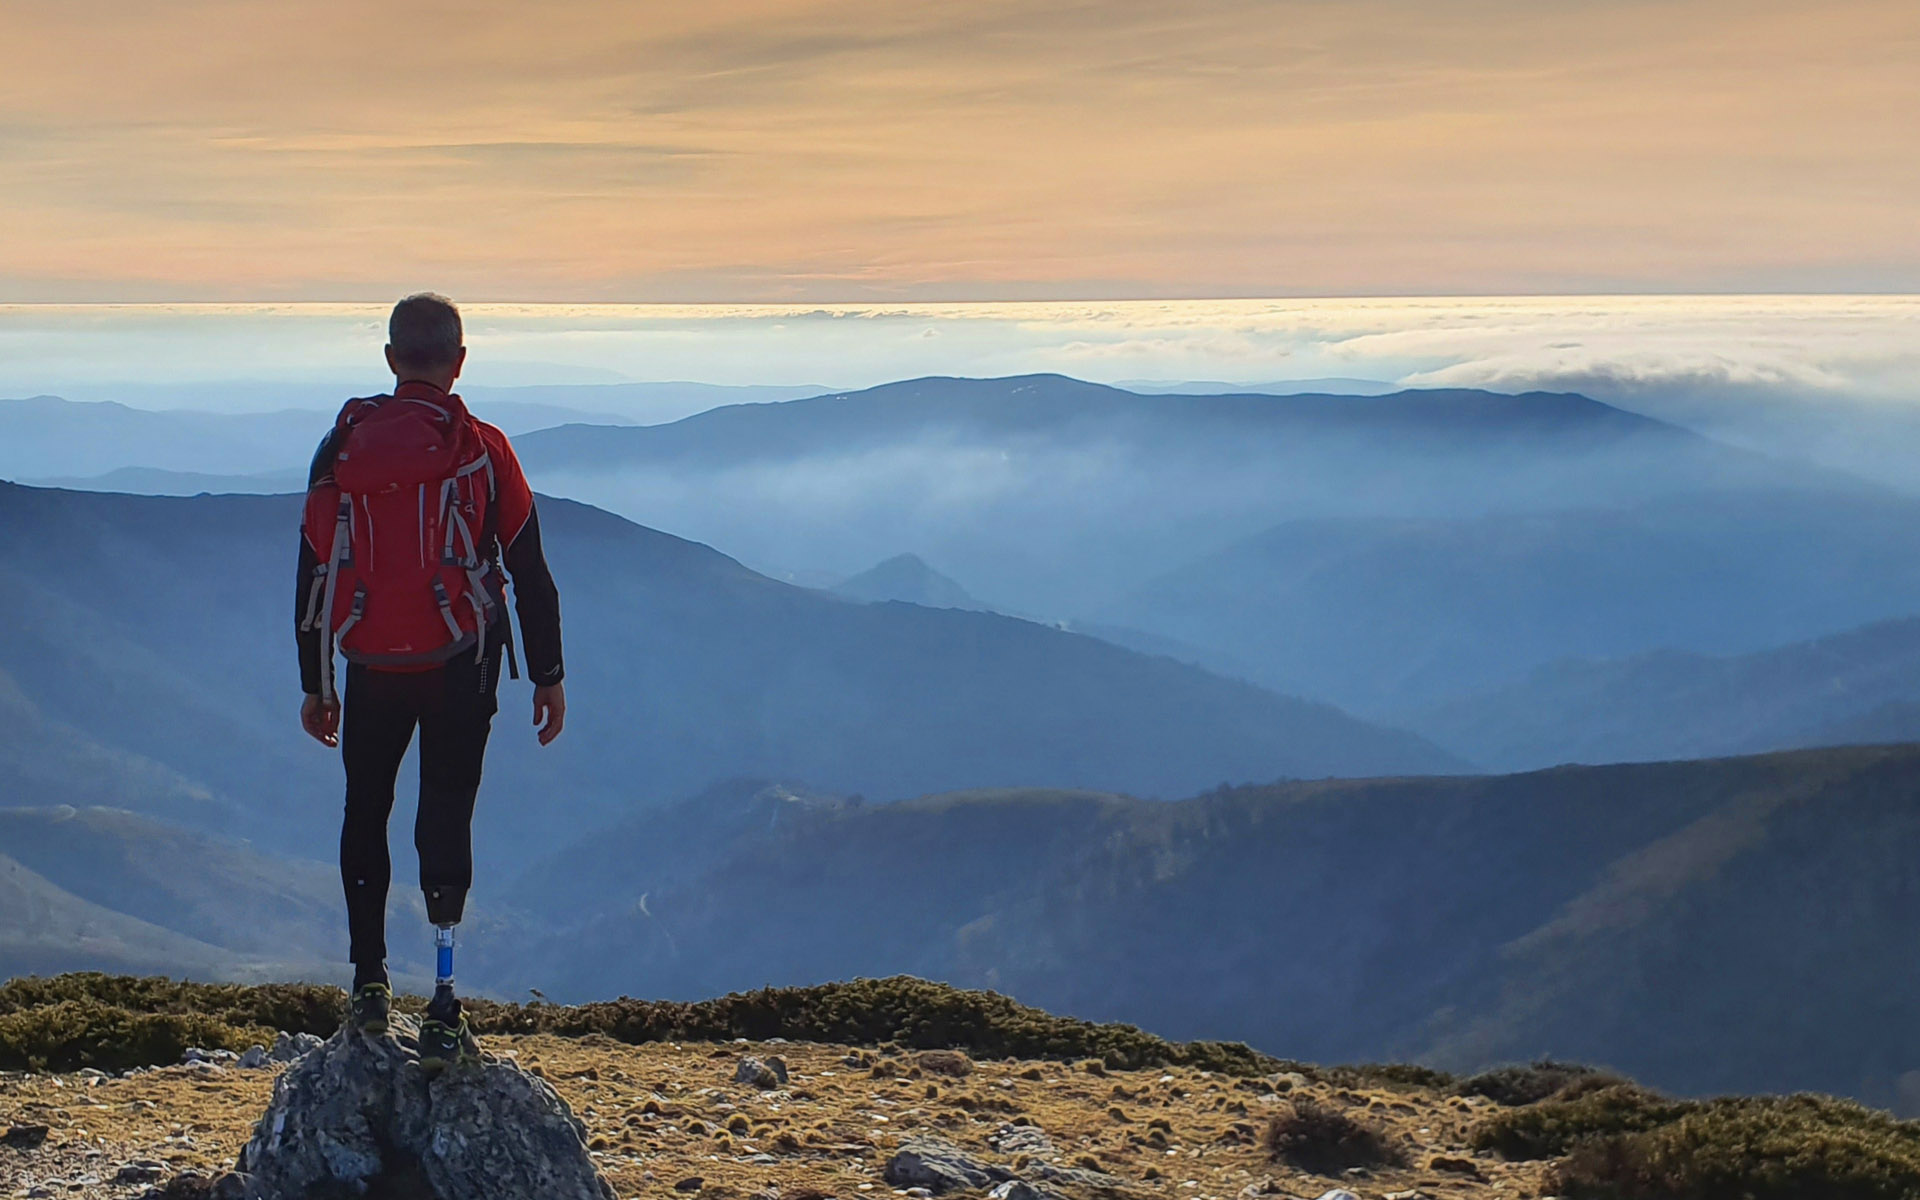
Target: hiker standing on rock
point(413, 509)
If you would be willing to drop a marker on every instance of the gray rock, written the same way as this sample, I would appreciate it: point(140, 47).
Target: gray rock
point(1098, 1181)
point(1017, 1189)
point(143, 1171)
point(24, 1137)
point(288, 1047)
point(359, 1112)
point(254, 1059)
point(1338, 1194)
point(769, 1074)
point(939, 1166)
point(196, 1054)
point(1020, 1139)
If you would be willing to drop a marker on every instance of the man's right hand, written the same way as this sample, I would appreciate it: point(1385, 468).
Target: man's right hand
point(321, 719)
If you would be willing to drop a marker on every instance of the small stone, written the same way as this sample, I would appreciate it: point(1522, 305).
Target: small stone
point(1020, 1139)
point(1453, 1166)
point(24, 1137)
point(1338, 1194)
point(759, 1074)
point(691, 1183)
point(1019, 1189)
point(254, 1058)
point(139, 1172)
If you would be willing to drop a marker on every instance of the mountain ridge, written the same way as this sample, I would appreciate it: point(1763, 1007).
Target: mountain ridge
point(159, 626)
point(1855, 685)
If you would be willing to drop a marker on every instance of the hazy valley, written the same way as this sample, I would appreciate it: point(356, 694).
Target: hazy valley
point(1171, 709)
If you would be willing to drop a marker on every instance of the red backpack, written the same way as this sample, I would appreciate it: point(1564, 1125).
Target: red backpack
point(398, 525)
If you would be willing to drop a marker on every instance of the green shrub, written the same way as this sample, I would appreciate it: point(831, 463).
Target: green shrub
point(911, 1012)
point(1394, 1076)
point(1518, 1085)
point(1325, 1141)
point(1549, 1128)
point(1761, 1148)
point(69, 1034)
point(294, 1007)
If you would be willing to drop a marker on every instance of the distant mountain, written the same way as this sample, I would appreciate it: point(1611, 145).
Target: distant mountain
point(107, 889)
point(907, 577)
point(1859, 686)
point(218, 892)
point(1397, 616)
point(1333, 385)
point(51, 762)
point(634, 403)
point(45, 929)
point(1053, 495)
point(161, 629)
point(152, 481)
point(1707, 926)
point(47, 438)
point(1029, 404)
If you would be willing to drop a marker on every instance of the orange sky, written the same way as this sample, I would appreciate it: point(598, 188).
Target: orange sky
point(794, 149)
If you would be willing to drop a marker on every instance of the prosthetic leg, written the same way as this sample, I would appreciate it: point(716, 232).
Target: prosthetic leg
point(444, 1038)
point(443, 997)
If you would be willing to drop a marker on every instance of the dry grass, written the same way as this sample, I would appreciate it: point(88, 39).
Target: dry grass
point(661, 1112)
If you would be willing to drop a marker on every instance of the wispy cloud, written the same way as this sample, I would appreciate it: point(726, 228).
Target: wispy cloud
point(834, 149)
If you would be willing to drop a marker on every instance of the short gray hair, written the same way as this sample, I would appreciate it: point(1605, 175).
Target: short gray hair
point(425, 332)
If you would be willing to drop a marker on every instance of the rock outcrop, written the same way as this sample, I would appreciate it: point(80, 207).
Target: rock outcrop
point(357, 1116)
point(939, 1166)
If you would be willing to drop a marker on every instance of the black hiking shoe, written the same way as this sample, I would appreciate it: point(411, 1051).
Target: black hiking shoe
point(368, 1010)
point(444, 1045)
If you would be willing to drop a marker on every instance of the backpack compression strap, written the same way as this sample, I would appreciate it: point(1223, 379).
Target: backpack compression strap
point(329, 639)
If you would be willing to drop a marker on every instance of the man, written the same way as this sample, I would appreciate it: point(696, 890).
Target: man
point(413, 509)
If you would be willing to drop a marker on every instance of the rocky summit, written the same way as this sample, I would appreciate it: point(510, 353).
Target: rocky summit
point(359, 1116)
point(684, 1118)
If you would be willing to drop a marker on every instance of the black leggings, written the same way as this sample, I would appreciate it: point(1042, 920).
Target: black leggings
point(453, 705)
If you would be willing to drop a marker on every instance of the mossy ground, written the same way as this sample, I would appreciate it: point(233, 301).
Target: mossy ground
point(87, 1019)
point(873, 1060)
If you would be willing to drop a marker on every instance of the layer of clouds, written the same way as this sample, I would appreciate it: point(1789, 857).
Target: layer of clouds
point(1865, 347)
point(774, 149)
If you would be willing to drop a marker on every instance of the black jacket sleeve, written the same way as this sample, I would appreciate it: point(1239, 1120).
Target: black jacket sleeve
point(308, 641)
point(536, 600)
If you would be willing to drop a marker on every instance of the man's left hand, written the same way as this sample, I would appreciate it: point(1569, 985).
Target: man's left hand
point(550, 706)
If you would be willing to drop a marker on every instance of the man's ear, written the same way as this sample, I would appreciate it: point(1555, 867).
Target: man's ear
point(392, 365)
point(459, 360)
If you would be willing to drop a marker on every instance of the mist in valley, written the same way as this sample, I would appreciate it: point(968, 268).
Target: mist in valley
point(1063, 661)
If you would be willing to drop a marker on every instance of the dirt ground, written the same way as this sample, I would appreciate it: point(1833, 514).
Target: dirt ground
point(662, 1115)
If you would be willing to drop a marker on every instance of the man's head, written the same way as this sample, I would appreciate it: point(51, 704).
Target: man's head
point(424, 340)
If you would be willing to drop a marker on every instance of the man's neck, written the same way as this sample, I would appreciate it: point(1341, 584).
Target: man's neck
point(438, 385)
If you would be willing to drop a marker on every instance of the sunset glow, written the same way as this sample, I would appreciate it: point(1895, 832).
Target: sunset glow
point(779, 150)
